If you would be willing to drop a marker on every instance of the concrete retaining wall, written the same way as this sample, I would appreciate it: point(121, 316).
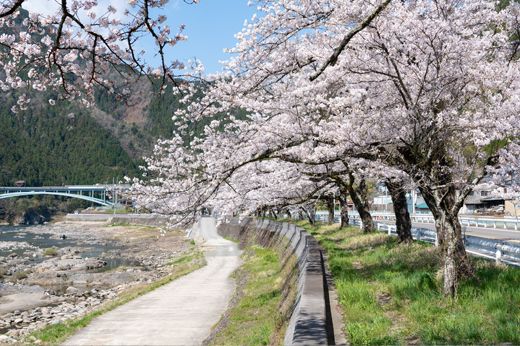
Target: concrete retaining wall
point(310, 322)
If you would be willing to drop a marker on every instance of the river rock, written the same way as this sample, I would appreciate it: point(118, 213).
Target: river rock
point(72, 290)
point(14, 333)
point(4, 338)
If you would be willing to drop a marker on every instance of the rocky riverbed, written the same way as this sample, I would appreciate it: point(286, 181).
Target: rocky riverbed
point(57, 272)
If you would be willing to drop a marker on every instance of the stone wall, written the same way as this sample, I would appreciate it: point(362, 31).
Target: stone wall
point(310, 322)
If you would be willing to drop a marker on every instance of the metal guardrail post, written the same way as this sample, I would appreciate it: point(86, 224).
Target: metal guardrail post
point(498, 254)
point(418, 237)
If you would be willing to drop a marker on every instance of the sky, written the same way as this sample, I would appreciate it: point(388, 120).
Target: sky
point(210, 27)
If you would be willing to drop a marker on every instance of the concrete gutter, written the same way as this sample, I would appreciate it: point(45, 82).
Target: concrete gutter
point(311, 321)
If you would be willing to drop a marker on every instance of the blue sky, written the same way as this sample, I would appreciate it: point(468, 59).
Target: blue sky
point(210, 27)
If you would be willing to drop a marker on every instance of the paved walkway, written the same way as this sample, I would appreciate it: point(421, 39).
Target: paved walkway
point(179, 313)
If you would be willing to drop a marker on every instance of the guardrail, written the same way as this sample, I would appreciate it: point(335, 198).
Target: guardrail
point(488, 247)
point(495, 249)
point(502, 222)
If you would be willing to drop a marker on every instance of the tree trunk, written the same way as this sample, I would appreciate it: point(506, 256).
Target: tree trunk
point(300, 214)
point(289, 216)
point(310, 215)
point(343, 208)
point(330, 206)
point(457, 266)
point(362, 205)
point(402, 216)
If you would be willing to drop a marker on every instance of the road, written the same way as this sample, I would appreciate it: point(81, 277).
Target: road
point(495, 233)
point(179, 313)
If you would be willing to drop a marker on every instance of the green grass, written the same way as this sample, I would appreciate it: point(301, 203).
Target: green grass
point(50, 252)
point(231, 239)
point(197, 255)
point(20, 275)
point(392, 294)
point(126, 224)
point(261, 315)
point(57, 333)
point(118, 211)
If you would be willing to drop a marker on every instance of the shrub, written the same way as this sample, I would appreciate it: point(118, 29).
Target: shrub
point(50, 252)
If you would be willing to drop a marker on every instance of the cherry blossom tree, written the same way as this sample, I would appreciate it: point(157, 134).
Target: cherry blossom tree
point(423, 87)
point(74, 50)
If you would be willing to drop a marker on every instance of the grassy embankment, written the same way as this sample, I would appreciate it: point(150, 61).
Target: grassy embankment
point(392, 294)
point(57, 333)
point(261, 310)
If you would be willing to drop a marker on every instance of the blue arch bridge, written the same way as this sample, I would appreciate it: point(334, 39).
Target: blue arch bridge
point(93, 193)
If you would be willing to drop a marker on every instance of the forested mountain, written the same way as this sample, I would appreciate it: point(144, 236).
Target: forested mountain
point(70, 144)
point(46, 145)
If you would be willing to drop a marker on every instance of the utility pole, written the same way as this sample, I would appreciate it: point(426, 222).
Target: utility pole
point(115, 194)
point(413, 199)
point(386, 199)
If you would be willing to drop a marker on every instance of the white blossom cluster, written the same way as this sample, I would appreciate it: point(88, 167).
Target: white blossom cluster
point(73, 50)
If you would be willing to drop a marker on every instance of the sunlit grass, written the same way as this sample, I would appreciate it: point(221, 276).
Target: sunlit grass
point(392, 294)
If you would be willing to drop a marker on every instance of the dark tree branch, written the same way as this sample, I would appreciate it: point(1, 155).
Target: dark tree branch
point(334, 57)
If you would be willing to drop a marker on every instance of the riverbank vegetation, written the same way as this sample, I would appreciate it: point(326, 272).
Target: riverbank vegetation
point(260, 311)
point(392, 293)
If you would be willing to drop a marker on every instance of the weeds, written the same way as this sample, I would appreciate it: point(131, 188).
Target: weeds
point(50, 252)
point(20, 275)
point(231, 239)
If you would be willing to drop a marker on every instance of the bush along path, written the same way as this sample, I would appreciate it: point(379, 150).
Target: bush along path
point(392, 294)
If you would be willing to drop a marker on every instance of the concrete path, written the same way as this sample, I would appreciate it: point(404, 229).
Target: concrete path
point(179, 313)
